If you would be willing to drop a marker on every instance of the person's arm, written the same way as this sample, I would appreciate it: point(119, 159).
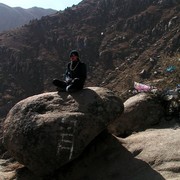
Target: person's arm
point(68, 78)
point(82, 74)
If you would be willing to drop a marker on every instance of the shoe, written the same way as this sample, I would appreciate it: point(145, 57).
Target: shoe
point(60, 89)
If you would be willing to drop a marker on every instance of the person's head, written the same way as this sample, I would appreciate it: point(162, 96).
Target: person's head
point(74, 55)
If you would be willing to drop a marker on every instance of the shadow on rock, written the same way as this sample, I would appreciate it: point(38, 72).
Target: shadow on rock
point(105, 158)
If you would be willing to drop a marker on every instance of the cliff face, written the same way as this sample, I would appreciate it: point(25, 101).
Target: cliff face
point(15, 17)
point(116, 38)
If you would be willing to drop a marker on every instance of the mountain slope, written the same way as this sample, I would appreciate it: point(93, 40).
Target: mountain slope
point(15, 17)
point(117, 39)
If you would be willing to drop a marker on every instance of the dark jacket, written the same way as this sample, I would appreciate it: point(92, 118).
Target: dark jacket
point(76, 73)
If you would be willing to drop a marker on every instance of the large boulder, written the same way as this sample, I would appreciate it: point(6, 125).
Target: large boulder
point(141, 111)
point(46, 131)
point(160, 148)
point(149, 155)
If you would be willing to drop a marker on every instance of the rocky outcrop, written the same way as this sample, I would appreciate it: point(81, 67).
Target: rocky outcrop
point(153, 154)
point(46, 131)
point(149, 154)
point(141, 112)
point(159, 148)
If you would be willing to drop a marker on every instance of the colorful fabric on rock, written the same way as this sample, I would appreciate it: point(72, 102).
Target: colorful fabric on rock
point(141, 87)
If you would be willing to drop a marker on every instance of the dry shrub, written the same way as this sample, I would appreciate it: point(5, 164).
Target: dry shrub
point(171, 79)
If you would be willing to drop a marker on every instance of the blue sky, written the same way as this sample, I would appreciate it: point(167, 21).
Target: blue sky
point(53, 4)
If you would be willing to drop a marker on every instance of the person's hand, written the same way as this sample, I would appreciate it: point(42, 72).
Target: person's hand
point(68, 80)
point(75, 79)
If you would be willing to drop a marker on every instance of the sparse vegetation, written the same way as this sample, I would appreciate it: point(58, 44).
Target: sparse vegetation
point(120, 43)
point(171, 78)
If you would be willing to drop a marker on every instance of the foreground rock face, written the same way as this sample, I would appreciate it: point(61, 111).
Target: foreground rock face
point(150, 155)
point(46, 131)
point(158, 147)
point(141, 111)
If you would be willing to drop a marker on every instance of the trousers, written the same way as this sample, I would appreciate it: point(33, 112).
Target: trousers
point(64, 86)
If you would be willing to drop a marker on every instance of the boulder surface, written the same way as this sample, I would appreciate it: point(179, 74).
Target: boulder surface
point(46, 131)
point(149, 155)
point(160, 148)
point(141, 112)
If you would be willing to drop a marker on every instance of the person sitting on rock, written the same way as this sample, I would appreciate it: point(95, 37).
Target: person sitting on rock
point(75, 75)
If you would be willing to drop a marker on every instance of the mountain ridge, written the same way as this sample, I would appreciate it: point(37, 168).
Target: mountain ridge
point(12, 17)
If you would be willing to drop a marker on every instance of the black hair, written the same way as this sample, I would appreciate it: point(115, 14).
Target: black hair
point(75, 52)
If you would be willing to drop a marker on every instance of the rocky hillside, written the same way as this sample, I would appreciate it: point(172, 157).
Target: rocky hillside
point(121, 41)
point(15, 17)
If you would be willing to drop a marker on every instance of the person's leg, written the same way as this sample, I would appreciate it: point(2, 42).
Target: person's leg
point(61, 85)
point(73, 87)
